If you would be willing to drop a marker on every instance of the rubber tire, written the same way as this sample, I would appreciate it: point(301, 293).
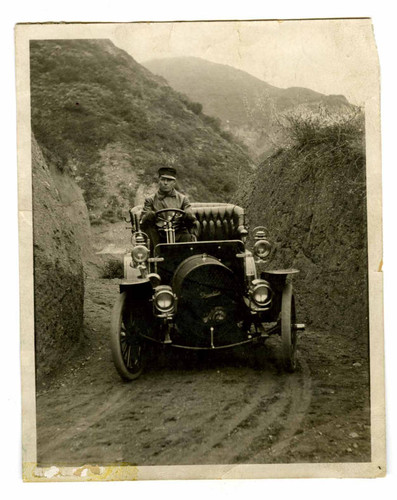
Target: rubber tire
point(117, 316)
point(288, 335)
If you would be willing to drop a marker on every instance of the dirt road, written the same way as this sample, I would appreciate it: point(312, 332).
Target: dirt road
point(233, 407)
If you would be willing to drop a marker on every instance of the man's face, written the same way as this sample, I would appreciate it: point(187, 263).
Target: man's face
point(166, 184)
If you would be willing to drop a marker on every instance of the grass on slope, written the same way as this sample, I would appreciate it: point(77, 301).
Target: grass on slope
point(90, 99)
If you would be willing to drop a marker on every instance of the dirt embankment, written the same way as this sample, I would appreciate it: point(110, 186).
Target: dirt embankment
point(61, 240)
point(313, 202)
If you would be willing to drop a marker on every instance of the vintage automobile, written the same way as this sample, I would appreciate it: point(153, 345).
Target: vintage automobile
point(202, 295)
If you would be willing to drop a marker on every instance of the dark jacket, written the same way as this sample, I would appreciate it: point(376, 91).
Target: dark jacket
point(158, 201)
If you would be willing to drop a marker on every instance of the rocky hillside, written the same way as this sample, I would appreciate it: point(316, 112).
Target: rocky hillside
point(60, 240)
point(247, 107)
point(109, 122)
point(312, 198)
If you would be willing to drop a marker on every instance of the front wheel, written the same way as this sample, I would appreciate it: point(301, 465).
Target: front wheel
point(126, 344)
point(288, 330)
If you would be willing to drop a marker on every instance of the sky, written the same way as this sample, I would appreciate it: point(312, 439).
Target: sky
point(332, 56)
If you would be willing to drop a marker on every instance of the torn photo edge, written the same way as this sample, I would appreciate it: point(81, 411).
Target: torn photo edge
point(376, 468)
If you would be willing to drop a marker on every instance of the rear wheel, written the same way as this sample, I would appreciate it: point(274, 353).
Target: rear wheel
point(126, 344)
point(288, 330)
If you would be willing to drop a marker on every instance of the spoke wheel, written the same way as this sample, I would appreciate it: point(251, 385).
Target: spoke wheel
point(288, 331)
point(126, 344)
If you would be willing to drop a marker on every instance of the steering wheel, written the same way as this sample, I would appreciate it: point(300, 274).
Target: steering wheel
point(178, 213)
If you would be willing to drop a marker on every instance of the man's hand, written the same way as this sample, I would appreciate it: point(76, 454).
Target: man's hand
point(149, 216)
point(189, 219)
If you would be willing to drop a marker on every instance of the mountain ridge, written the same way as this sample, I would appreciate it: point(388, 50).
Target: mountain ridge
point(247, 106)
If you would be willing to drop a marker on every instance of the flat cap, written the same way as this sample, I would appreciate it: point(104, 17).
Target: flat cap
point(169, 172)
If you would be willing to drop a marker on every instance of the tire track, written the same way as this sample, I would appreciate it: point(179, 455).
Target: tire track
point(213, 446)
point(299, 407)
point(49, 449)
point(250, 440)
point(298, 396)
point(223, 410)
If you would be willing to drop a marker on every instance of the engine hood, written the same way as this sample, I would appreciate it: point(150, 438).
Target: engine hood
point(208, 296)
point(205, 276)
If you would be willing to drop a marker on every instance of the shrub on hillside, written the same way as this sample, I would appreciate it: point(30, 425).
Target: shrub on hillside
point(110, 215)
point(112, 269)
point(95, 220)
point(213, 122)
point(338, 128)
point(113, 209)
point(323, 140)
point(196, 107)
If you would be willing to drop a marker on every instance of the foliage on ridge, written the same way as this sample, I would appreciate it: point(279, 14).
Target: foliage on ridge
point(311, 195)
point(103, 118)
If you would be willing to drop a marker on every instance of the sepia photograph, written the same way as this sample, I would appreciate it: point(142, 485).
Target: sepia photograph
point(200, 250)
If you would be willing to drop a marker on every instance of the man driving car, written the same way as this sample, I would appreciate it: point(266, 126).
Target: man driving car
point(167, 197)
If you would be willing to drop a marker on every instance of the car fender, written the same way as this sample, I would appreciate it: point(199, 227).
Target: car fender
point(278, 277)
point(141, 289)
